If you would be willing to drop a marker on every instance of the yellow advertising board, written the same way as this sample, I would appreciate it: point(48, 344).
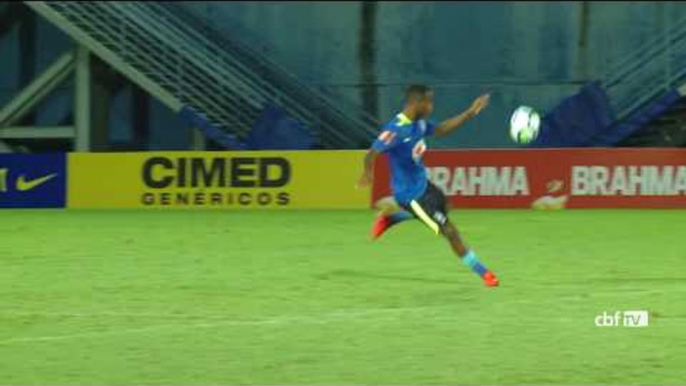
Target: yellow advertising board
point(217, 180)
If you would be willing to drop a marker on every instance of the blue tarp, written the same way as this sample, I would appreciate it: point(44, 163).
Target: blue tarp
point(577, 119)
point(210, 130)
point(275, 130)
point(587, 119)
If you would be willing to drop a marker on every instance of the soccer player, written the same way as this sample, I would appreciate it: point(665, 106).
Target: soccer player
point(403, 139)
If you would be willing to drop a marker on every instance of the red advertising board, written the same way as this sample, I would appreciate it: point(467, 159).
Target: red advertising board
point(553, 178)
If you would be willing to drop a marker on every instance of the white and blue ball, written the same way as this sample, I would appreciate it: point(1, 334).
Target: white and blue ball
point(524, 124)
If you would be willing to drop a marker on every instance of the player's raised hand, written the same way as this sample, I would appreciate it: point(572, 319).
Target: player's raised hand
point(479, 104)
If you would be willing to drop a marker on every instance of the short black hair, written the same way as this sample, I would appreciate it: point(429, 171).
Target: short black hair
point(417, 91)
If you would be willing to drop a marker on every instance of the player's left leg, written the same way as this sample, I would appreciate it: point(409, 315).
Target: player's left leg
point(467, 255)
point(432, 210)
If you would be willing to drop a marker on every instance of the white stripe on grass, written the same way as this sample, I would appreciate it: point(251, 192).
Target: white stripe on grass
point(375, 314)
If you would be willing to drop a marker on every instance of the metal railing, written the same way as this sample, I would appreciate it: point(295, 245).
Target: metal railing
point(166, 51)
point(651, 69)
point(329, 109)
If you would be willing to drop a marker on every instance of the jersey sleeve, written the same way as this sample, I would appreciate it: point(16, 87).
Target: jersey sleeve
point(430, 127)
point(386, 140)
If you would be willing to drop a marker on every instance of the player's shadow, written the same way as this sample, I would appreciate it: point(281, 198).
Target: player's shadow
point(348, 273)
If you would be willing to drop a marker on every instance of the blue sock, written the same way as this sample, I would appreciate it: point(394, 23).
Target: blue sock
point(471, 261)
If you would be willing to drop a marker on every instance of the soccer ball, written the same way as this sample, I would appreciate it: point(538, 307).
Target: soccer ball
point(524, 124)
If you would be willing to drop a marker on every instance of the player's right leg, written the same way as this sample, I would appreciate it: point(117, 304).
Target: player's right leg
point(385, 221)
point(390, 214)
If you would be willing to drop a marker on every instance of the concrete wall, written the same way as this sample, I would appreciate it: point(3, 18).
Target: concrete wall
point(531, 53)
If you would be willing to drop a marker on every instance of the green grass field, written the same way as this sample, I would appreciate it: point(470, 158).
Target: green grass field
point(200, 298)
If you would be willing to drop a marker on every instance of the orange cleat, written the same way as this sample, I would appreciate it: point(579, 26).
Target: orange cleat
point(490, 280)
point(381, 225)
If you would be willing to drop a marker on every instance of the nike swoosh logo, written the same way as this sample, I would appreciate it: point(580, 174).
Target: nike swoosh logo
point(23, 184)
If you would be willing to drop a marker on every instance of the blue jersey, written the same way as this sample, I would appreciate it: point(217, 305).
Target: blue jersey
point(403, 140)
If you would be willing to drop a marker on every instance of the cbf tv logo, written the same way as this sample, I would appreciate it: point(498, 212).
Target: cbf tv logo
point(622, 318)
point(32, 181)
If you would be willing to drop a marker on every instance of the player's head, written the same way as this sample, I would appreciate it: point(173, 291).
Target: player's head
point(420, 99)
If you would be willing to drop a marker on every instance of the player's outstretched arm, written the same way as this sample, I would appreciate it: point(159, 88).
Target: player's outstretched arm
point(368, 171)
point(449, 125)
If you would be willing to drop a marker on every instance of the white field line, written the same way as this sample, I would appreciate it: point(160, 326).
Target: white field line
point(580, 296)
point(333, 317)
point(297, 318)
point(97, 314)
